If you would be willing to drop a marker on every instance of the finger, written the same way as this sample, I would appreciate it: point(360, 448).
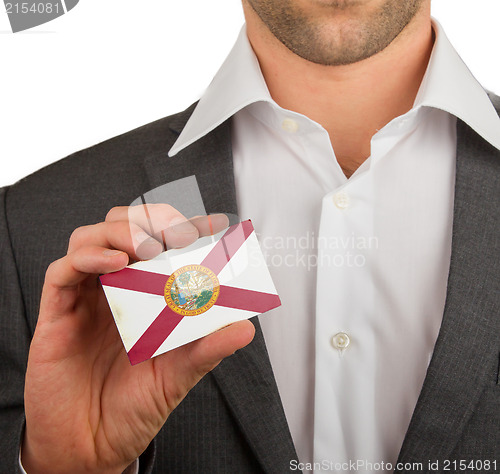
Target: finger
point(119, 235)
point(189, 363)
point(211, 224)
point(162, 221)
point(210, 350)
point(167, 224)
point(205, 225)
point(63, 277)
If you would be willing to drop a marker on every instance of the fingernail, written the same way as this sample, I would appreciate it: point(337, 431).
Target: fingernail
point(111, 253)
point(182, 226)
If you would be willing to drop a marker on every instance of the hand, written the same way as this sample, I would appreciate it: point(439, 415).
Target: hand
point(87, 409)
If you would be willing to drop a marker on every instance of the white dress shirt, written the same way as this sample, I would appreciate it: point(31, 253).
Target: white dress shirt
point(361, 264)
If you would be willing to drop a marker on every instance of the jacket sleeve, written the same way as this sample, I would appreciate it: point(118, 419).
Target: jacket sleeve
point(15, 339)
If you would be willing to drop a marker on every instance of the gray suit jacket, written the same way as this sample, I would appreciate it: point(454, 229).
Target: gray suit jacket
point(233, 420)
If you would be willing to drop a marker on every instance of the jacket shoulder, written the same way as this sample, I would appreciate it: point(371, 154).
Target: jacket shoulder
point(41, 210)
point(103, 158)
point(104, 175)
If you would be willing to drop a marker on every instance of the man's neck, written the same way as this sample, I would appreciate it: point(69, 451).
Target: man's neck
point(351, 102)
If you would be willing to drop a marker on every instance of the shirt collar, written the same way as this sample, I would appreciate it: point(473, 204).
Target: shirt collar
point(447, 85)
point(238, 83)
point(450, 86)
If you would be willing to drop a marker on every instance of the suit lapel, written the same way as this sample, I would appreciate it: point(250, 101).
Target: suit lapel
point(246, 379)
point(248, 385)
point(209, 159)
point(466, 349)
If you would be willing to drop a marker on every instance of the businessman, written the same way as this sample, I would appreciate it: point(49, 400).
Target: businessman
point(351, 125)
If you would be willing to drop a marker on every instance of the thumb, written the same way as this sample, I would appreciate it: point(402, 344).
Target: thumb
point(188, 364)
point(207, 352)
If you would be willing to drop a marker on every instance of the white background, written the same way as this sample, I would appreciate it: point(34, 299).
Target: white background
point(109, 66)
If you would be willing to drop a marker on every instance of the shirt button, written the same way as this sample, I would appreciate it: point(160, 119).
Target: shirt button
point(341, 200)
point(340, 341)
point(289, 125)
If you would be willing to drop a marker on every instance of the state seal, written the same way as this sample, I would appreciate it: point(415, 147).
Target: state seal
point(192, 290)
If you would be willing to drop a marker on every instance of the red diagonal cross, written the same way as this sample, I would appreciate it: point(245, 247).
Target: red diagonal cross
point(167, 320)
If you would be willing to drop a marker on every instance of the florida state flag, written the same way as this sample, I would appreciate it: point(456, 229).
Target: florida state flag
point(182, 295)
